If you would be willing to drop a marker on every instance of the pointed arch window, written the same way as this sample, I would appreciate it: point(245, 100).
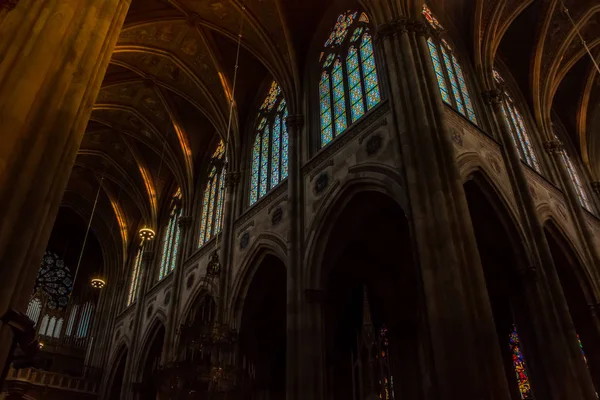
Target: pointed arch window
point(34, 309)
point(349, 85)
point(519, 366)
point(572, 171)
point(134, 285)
point(213, 197)
point(449, 73)
point(270, 147)
point(516, 123)
point(171, 238)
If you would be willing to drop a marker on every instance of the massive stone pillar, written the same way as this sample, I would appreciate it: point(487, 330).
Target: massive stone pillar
point(232, 180)
point(184, 223)
point(554, 360)
point(458, 333)
point(54, 55)
point(294, 384)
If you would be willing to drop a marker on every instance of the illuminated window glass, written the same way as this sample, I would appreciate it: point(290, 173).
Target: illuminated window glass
point(519, 365)
point(213, 197)
point(134, 285)
point(33, 310)
point(517, 126)
point(349, 85)
point(270, 146)
point(449, 73)
point(171, 238)
point(579, 188)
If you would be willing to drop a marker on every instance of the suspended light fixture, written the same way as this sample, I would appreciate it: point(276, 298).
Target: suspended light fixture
point(147, 234)
point(98, 283)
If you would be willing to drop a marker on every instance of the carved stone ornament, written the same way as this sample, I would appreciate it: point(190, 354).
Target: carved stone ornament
point(457, 137)
point(553, 147)
point(185, 221)
point(493, 97)
point(321, 183)
point(530, 273)
point(374, 144)
point(277, 216)
point(294, 123)
point(244, 240)
point(596, 187)
point(167, 298)
point(232, 179)
point(149, 311)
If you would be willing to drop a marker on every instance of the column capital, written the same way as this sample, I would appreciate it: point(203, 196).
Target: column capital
point(295, 122)
point(184, 222)
point(232, 179)
point(8, 4)
point(553, 147)
point(596, 187)
point(493, 97)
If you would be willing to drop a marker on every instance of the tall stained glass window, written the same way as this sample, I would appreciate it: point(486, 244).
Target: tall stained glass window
point(349, 86)
point(516, 123)
point(171, 238)
point(213, 196)
point(270, 147)
point(449, 74)
point(579, 188)
point(519, 365)
point(136, 272)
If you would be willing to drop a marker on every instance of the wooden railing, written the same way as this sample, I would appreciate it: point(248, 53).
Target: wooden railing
point(53, 380)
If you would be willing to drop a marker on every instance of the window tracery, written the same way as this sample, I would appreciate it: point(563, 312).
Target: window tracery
point(171, 238)
point(516, 123)
point(519, 365)
point(213, 197)
point(270, 147)
point(349, 85)
point(449, 73)
point(575, 179)
point(135, 278)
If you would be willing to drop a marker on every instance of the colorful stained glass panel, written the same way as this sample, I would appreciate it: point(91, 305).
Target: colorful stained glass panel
point(519, 365)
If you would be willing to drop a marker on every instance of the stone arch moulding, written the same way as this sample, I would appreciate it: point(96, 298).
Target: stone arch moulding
point(568, 246)
point(330, 210)
point(147, 339)
point(266, 244)
point(122, 348)
point(205, 287)
point(499, 201)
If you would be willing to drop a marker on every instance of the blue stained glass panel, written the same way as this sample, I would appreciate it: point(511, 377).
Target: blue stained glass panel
point(325, 102)
point(255, 170)
point(453, 83)
point(369, 72)
point(275, 151)
point(211, 209)
point(355, 84)
point(463, 89)
point(439, 73)
point(220, 201)
point(284, 147)
point(264, 164)
point(204, 223)
point(339, 103)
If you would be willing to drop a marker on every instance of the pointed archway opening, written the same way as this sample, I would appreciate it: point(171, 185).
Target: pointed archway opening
point(371, 302)
point(118, 372)
point(148, 389)
point(262, 337)
point(574, 285)
point(500, 260)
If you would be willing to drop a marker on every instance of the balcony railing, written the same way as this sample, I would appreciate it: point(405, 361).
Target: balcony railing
point(53, 380)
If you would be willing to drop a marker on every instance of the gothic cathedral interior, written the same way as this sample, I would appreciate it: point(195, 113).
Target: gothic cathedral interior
point(299, 199)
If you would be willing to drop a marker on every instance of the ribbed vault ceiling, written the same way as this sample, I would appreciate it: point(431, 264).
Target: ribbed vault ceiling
point(164, 100)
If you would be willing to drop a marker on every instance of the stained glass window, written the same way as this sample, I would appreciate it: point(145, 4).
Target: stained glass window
point(349, 85)
point(85, 320)
point(71, 321)
point(34, 309)
point(55, 280)
point(448, 72)
point(270, 146)
point(213, 199)
point(171, 238)
point(136, 272)
point(517, 127)
point(579, 189)
point(519, 365)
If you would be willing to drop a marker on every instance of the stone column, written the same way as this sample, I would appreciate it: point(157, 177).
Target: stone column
point(314, 374)
point(542, 316)
point(184, 222)
point(131, 375)
point(294, 379)
point(458, 335)
point(54, 55)
point(232, 179)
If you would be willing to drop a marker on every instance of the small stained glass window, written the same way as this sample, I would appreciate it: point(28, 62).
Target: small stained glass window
point(55, 281)
point(519, 365)
point(517, 126)
point(136, 273)
point(349, 85)
point(171, 238)
point(270, 146)
point(213, 198)
point(449, 74)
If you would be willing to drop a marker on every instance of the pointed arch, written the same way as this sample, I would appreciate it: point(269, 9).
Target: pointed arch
point(213, 196)
point(171, 237)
